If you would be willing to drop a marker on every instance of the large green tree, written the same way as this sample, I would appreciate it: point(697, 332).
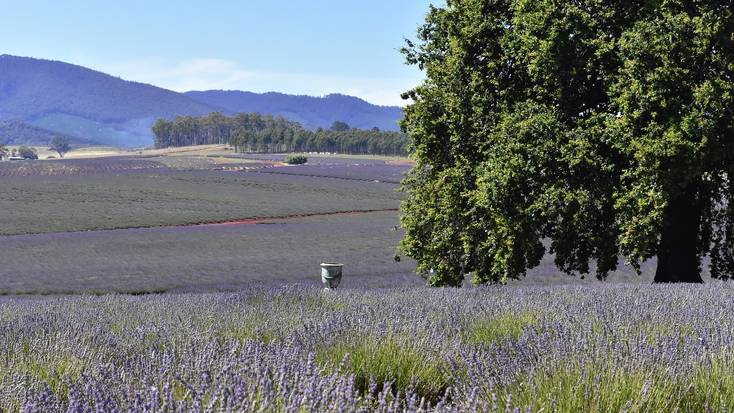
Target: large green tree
point(588, 128)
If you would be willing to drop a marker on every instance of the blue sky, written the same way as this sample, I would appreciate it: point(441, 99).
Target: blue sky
point(310, 47)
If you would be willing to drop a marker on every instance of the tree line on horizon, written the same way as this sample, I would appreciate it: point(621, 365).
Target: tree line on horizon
point(254, 132)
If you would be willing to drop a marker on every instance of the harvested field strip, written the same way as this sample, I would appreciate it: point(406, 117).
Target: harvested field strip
point(77, 167)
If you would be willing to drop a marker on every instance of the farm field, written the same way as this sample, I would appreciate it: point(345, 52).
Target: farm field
point(75, 167)
point(130, 225)
point(109, 151)
point(154, 197)
point(317, 158)
point(292, 207)
point(275, 348)
point(143, 224)
point(190, 282)
point(229, 257)
point(205, 258)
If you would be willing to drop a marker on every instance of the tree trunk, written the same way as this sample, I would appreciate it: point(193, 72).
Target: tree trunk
point(678, 260)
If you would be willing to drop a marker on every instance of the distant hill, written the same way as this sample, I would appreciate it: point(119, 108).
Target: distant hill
point(83, 103)
point(34, 89)
point(15, 132)
point(311, 112)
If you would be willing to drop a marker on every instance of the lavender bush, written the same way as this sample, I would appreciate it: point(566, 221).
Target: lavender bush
point(592, 349)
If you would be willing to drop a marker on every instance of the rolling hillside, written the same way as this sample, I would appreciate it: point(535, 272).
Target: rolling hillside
point(34, 90)
point(13, 132)
point(311, 112)
point(80, 102)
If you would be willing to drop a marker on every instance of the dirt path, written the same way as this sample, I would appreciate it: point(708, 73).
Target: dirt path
point(254, 221)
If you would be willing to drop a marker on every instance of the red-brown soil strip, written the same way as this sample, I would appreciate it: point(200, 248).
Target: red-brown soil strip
point(401, 162)
point(260, 220)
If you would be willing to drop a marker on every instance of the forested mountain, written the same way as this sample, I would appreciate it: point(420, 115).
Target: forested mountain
point(311, 112)
point(252, 132)
point(31, 88)
point(13, 132)
point(78, 99)
point(81, 102)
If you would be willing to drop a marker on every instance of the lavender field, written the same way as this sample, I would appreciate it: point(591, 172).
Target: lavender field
point(229, 316)
point(143, 225)
point(207, 257)
point(162, 197)
point(76, 166)
point(424, 206)
point(293, 349)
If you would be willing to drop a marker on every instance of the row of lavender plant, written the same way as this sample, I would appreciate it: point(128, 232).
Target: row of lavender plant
point(605, 348)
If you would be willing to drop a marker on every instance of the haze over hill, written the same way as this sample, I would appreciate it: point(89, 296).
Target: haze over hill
point(311, 112)
point(80, 102)
point(13, 132)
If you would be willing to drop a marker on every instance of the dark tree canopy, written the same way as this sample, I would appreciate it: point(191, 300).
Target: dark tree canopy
point(253, 132)
point(339, 126)
point(604, 127)
point(27, 153)
point(60, 145)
